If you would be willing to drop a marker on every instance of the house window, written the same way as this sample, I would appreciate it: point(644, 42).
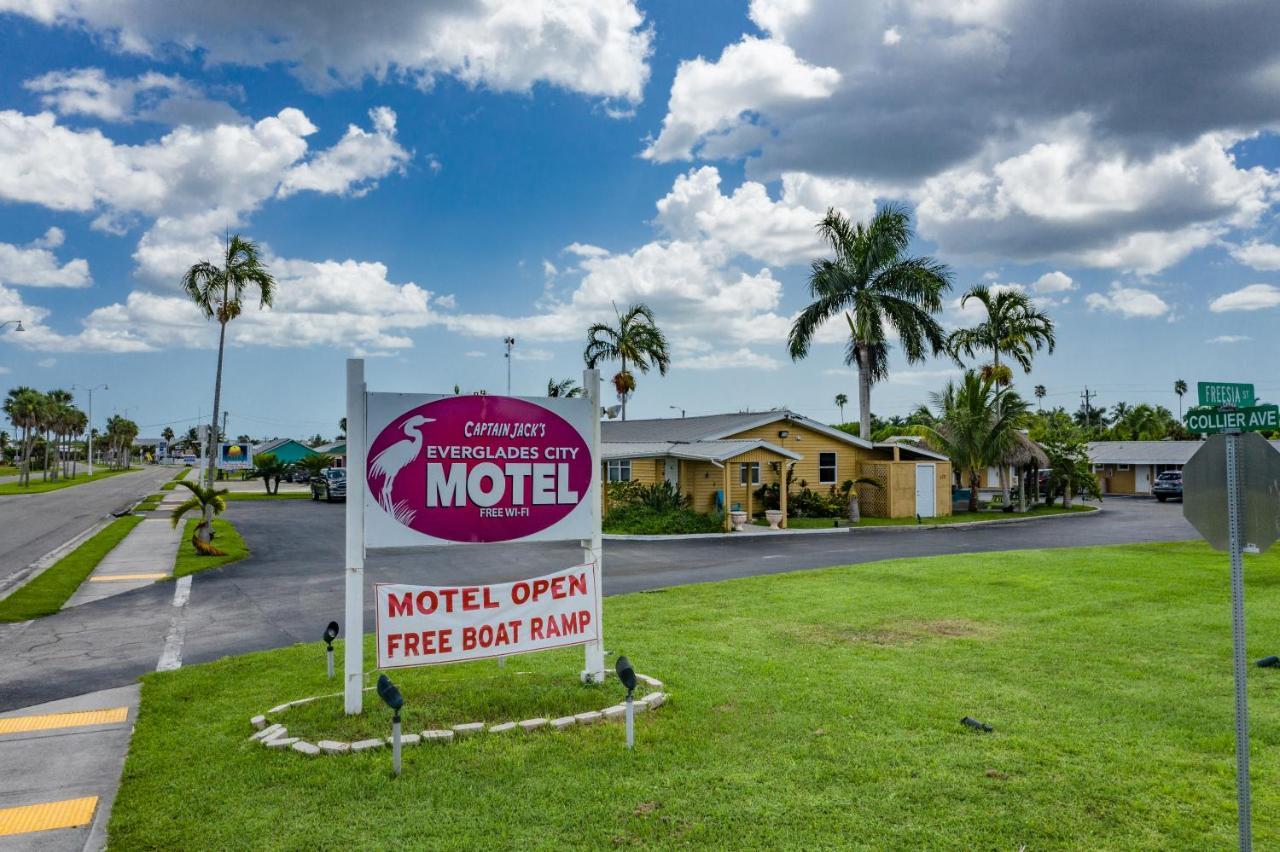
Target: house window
point(619, 470)
point(754, 468)
point(827, 468)
point(1122, 467)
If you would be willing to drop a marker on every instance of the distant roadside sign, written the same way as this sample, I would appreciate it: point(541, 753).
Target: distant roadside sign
point(1225, 393)
point(1204, 492)
point(1210, 421)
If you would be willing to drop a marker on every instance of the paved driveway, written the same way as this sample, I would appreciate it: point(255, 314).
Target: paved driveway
point(292, 585)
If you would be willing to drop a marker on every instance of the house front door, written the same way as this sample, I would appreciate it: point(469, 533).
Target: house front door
point(926, 483)
point(671, 472)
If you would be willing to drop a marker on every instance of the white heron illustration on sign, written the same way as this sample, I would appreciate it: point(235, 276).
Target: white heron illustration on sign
point(393, 459)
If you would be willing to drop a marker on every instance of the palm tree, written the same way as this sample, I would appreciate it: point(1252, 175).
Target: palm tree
point(342, 428)
point(219, 291)
point(167, 434)
point(877, 287)
point(566, 388)
point(210, 502)
point(841, 402)
point(1040, 393)
point(270, 468)
point(637, 339)
point(977, 425)
point(1180, 388)
point(1014, 327)
point(22, 407)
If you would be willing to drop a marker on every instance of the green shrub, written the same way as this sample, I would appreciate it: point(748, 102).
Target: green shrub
point(640, 519)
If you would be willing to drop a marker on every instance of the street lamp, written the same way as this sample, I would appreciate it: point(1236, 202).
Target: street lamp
point(509, 342)
point(391, 696)
point(17, 323)
point(677, 408)
point(90, 390)
point(330, 633)
point(627, 675)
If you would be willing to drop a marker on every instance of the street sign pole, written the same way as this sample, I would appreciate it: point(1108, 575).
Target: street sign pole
point(353, 650)
point(1234, 511)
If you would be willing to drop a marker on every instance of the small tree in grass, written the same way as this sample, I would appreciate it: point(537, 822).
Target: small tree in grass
point(210, 502)
point(271, 469)
point(1069, 469)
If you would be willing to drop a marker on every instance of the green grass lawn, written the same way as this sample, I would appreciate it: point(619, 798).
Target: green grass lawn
point(50, 590)
point(39, 486)
point(243, 496)
point(9, 470)
point(173, 481)
point(225, 538)
point(149, 503)
point(814, 709)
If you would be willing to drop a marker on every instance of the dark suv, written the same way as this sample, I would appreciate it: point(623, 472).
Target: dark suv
point(331, 484)
point(1168, 485)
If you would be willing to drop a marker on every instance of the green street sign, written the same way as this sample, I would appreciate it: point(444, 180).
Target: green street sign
point(1209, 421)
point(1225, 393)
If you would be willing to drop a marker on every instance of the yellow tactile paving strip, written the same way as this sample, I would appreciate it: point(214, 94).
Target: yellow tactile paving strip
point(68, 813)
point(50, 721)
point(112, 578)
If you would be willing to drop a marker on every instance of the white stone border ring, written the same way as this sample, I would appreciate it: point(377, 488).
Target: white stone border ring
point(275, 735)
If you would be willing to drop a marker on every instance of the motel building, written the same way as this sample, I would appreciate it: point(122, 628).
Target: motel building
point(720, 460)
point(1131, 467)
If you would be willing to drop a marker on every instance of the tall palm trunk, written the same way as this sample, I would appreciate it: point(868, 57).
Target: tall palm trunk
point(205, 529)
point(25, 478)
point(864, 392)
point(624, 396)
point(45, 472)
point(973, 490)
point(1004, 468)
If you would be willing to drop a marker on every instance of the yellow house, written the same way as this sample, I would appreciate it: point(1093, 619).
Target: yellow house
point(719, 460)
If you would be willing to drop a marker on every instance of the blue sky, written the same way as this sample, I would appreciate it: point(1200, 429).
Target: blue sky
point(515, 169)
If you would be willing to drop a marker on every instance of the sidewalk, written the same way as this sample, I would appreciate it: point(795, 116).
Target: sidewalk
point(62, 763)
point(146, 555)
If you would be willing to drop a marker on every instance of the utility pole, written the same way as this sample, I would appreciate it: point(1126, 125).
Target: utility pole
point(509, 342)
point(1088, 411)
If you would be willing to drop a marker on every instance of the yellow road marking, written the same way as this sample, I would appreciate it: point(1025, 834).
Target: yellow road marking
point(69, 813)
point(111, 578)
point(75, 719)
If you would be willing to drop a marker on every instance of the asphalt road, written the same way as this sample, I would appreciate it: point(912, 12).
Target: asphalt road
point(32, 525)
point(292, 584)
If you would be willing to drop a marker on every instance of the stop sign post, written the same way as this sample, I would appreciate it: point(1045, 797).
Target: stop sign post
point(1231, 495)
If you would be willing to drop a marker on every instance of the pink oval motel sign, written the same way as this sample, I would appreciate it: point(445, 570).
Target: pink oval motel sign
point(479, 468)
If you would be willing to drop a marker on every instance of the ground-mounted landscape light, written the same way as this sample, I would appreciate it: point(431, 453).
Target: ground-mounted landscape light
point(391, 696)
point(976, 725)
point(330, 633)
point(1272, 662)
point(627, 675)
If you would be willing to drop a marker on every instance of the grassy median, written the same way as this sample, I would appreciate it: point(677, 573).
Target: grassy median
point(225, 537)
point(814, 709)
point(47, 593)
point(40, 486)
point(250, 496)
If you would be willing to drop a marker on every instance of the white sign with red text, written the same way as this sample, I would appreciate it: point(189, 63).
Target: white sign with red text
point(425, 625)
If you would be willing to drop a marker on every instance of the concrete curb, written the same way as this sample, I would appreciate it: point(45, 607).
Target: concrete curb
point(903, 528)
point(18, 579)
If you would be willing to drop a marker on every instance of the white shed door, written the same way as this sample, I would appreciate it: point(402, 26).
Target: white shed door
point(926, 483)
point(671, 472)
point(1142, 479)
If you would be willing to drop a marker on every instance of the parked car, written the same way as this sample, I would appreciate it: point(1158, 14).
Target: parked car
point(1168, 486)
point(331, 484)
point(298, 475)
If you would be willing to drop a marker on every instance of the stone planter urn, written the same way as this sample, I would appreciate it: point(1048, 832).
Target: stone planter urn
point(774, 517)
point(737, 519)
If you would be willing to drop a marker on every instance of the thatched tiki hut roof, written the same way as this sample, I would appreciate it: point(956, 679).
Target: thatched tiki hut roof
point(1025, 453)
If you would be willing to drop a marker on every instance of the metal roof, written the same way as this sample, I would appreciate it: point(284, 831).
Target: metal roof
point(717, 451)
point(712, 427)
point(1146, 452)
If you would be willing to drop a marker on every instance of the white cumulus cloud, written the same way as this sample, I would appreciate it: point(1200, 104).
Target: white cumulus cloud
point(1128, 302)
point(1251, 298)
point(34, 265)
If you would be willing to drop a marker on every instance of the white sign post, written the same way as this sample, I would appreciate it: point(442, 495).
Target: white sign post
point(427, 470)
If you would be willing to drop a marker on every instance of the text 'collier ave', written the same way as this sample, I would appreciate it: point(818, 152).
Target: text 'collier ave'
point(479, 468)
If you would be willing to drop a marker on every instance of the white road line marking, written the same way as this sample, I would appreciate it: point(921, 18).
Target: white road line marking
point(171, 657)
point(774, 556)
